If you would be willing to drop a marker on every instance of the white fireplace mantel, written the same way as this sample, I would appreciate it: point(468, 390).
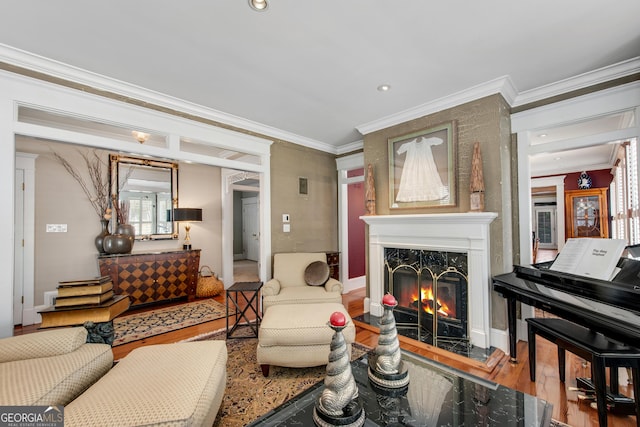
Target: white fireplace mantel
point(453, 232)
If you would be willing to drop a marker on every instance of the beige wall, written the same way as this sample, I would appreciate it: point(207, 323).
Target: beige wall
point(72, 255)
point(314, 217)
point(485, 120)
point(59, 200)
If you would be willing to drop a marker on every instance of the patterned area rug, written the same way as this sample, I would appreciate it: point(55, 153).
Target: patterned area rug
point(249, 394)
point(135, 327)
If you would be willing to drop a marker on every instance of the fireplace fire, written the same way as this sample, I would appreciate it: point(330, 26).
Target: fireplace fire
point(431, 290)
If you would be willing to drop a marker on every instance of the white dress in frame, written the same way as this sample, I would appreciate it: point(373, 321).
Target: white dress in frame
point(420, 180)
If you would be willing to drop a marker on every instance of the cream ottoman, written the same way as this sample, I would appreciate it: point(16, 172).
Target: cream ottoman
point(298, 336)
point(178, 384)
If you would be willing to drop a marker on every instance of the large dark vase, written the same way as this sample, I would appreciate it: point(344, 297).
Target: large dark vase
point(127, 230)
point(117, 244)
point(100, 237)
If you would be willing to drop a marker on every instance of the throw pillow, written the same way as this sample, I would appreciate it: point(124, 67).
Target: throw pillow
point(316, 273)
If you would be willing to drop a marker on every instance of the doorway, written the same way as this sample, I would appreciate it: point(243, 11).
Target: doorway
point(244, 250)
point(545, 226)
point(250, 228)
point(24, 239)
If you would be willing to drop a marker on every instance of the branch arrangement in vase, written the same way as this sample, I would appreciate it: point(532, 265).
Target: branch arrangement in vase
point(122, 211)
point(97, 191)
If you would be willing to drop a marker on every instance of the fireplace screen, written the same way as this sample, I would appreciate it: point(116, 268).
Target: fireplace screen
point(431, 288)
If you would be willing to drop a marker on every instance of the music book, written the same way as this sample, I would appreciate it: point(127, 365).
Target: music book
point(590, 257)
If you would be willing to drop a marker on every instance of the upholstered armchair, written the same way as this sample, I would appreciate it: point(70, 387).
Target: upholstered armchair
point(300, 278)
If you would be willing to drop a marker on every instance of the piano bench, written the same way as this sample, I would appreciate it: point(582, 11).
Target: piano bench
point(593, 347)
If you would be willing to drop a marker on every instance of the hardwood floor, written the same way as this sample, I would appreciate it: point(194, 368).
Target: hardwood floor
point(568, 408)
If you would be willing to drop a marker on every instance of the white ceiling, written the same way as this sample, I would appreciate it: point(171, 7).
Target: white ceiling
point(310, 69)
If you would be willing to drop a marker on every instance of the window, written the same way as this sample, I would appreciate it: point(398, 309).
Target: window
point(141, 209)
point(624, 191)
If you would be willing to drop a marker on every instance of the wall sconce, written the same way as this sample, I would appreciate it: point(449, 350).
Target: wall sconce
point(141, 137)
point(259, 5)
point(187, 215)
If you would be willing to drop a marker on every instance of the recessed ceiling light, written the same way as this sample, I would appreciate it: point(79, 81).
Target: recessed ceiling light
point(543, 135)
point(384, 88)
point(259, 5)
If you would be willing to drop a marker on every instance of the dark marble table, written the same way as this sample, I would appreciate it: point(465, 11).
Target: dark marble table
point(438, 395)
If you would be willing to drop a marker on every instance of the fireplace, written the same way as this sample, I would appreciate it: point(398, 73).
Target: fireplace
point(431, 290)
point(459, 244)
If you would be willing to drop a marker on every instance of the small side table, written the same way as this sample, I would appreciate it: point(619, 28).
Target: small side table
point(250, 291)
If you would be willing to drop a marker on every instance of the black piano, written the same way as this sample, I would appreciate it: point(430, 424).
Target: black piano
point(609, 307)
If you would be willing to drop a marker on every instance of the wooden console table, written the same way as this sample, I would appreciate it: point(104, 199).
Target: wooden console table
point(150, 277)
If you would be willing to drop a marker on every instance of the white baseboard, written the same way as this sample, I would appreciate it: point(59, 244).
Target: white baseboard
point(500, 339)
point(353, 284)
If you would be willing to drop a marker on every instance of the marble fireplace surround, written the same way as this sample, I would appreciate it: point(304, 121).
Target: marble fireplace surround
point(451, 232)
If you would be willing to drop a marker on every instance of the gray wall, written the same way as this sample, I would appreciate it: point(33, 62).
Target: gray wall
point(314, 217)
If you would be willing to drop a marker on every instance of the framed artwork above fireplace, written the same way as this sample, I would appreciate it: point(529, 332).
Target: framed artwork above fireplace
point(422, 168)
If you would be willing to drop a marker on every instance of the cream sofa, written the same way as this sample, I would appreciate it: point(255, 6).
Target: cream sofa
point(178, 384)
point(288, 284)
point(51, 367)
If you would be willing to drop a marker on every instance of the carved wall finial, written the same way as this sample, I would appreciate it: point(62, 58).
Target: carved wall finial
point(370, 192)
point(477, 181)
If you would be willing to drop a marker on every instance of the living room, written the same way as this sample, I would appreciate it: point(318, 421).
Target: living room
point(315, 217)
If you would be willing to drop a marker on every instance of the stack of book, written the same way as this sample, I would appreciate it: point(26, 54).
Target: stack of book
point(94, 291)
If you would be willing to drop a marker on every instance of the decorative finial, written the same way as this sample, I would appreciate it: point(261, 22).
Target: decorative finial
point(338, 404)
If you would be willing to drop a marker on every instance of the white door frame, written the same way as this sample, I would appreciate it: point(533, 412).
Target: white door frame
point(26, 277)
point(345, 164)
point(553, 212)
point(228, 178)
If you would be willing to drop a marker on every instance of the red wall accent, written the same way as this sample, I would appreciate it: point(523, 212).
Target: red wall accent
point(600, 178)
point(356, 208)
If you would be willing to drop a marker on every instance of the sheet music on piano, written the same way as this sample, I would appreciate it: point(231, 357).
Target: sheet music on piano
point(590, 257)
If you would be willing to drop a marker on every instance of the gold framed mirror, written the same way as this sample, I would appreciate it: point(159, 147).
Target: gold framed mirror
point(150, 187)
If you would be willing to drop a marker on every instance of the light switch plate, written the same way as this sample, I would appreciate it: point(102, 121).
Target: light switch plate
point(286, 228)
point(56, 228)
point(285, 217)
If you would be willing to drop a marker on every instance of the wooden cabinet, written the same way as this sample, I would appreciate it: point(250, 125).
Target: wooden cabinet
point(333, 259)
point(154, 276)
point(586, 213)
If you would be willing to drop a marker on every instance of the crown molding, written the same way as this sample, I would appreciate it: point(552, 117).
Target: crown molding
point(581, 81)
point(502, 85)
point(350, 147)
point(32, 62)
